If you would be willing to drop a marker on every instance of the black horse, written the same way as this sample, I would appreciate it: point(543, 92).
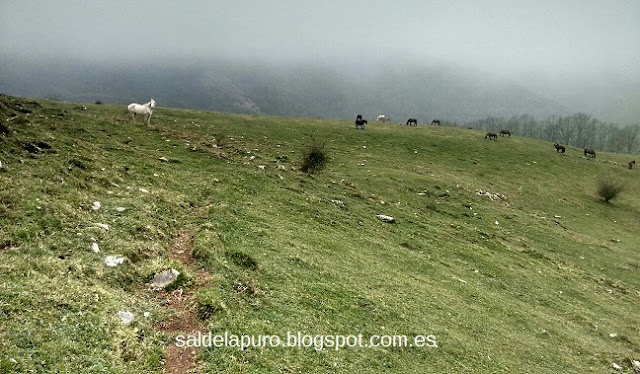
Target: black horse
point(360, 122)
point(435, 122)
point(559, 148)
point(412, 121)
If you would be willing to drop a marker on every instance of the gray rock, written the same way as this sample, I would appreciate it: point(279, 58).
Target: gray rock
point(164, 278)
point(125, 317)
point(113, 261)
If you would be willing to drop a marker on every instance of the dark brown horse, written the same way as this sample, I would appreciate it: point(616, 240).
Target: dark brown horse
point(412, 120)
point(631, 164)
point(504, 132)
point(559, 148)
point(589, 152)
point(491, 135)
point(435, 122)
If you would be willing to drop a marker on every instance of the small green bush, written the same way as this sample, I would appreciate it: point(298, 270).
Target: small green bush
point(314, 158)
point(242, 259)
point(209, 301)
point(609, 187)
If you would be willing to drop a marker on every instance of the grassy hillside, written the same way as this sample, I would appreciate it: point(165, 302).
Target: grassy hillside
point(543, 278)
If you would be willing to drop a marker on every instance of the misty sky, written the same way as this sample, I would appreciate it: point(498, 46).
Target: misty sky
point(513, 36)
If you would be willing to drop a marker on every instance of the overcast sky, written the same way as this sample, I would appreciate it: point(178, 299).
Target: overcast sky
point(516, 36)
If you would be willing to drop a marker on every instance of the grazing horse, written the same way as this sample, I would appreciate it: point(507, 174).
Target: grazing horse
point(590, 152)
point(491, 135)
point(382, 118)
point(504, 132)
point(559, 148)
point(360, 122)
point(145, 109)
point(412, 120)
point(631, 163)
point(435, 122)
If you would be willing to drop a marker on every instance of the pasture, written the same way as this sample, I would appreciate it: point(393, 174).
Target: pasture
point(500, 249)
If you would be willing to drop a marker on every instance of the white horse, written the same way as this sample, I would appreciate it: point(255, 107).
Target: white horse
point(144, 109)
point(382, 118)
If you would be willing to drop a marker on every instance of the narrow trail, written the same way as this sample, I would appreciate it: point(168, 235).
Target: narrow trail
point(185, 319)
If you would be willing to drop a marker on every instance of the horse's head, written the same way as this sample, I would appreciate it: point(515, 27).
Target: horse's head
point(152, 103)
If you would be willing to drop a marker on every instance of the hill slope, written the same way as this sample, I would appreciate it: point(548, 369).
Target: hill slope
point(541, 278)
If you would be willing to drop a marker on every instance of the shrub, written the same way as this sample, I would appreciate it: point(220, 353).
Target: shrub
point(314, 158)
point(209, 301)
point(242, 259)
point(609, 186)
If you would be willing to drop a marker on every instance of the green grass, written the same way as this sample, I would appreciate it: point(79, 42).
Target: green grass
point(290, 251)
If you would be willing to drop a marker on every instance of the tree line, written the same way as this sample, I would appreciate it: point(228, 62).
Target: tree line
point(579, 130)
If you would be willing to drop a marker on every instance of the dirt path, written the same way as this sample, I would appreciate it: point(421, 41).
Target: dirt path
point(185, 320)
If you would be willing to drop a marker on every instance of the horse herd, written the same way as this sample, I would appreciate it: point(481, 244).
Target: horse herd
point(360, 122)
point(588, 152)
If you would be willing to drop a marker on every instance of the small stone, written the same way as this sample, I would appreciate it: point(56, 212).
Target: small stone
point(102, 226)
point(557, 217)
point(635, 364)
point(113, 261)
point(13, 361)
point(613, 335)
point(497, 223)
point(616, 366)
point(146, 314)
point(164, 278)
point(96, 205)
point(156, 175)
point(262, 166)
point(384, 218)
point(143, 190)
point(95, 248)
point(120, 209)
point(125, 317)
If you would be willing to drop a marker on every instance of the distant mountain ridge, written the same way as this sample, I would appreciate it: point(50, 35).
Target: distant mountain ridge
point(305, 90)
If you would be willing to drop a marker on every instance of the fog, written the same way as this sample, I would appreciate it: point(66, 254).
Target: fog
point(552, 46)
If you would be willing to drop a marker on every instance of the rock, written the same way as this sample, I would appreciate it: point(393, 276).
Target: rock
point(143, 190)
point(384, 218)
point(616, 366)
point(146, 314)
point(635, 364)
point(125, 317)
point(95, 248)
point(113, 261)
point(96, 205)
point(102, 226)
point(613, 335)
point(164, 278)
point(497, 223)
point(120, 209)
point(262, 166)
